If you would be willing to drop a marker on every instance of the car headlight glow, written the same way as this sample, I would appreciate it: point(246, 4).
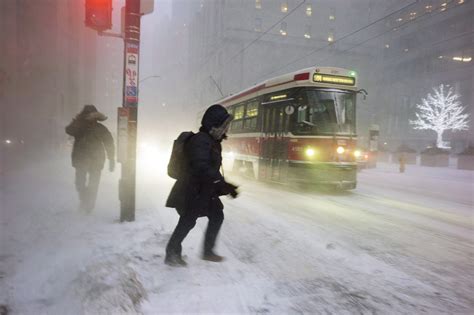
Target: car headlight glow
point(229, 154)
point(357, 153)
point(340, 150)
point(151, 159)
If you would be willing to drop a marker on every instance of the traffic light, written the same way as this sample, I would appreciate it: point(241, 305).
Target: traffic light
point(99, 14)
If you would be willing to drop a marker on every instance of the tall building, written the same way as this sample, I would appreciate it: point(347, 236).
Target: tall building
point(399, 49)
point(237, 43)
point(48, 62)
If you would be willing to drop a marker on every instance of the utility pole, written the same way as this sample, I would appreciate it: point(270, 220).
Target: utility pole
point(127, 184)
point(99, 18)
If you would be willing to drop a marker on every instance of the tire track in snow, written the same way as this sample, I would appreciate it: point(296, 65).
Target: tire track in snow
point(395, 254)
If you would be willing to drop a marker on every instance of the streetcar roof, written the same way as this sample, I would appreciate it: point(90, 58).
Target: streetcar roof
point(301, 77)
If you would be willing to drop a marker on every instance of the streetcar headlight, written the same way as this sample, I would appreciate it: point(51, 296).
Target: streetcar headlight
point(357, 153)
point(310, 152)
point(340, 150)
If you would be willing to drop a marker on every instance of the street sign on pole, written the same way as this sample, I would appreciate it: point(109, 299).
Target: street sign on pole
point(131, 74)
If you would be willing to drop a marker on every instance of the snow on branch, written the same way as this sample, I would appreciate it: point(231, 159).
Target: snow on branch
point(440, 111)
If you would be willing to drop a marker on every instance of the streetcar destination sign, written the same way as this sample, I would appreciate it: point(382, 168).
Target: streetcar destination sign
point(335, 79)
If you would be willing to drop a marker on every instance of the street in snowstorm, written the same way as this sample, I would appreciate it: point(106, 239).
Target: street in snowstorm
point(399, 243)
point(236, 157)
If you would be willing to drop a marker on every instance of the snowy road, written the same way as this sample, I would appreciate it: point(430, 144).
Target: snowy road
point(400, 243)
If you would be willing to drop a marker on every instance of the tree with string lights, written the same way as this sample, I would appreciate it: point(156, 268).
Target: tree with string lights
point(441, 111)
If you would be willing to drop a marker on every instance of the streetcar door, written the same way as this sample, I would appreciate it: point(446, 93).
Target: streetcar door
point(274, 144)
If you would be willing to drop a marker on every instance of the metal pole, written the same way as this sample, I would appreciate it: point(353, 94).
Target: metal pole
point(130, 107)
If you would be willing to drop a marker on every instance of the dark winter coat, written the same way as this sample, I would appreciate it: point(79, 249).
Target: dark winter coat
point(199, 189)
point(91, 141)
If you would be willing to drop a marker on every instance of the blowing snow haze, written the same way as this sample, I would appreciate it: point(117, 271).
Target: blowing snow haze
point(351, 145)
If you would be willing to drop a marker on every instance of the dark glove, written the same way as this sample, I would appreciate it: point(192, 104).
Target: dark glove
point(111, 165)
point(234, 193)
point(231, 190)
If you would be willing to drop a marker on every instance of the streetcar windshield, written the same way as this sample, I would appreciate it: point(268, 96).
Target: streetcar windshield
point(325, 112)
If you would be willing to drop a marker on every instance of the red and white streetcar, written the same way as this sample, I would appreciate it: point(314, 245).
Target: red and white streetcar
point(298, 127)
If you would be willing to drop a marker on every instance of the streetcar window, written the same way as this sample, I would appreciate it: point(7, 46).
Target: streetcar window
point(251, 113)
point(286, 120)
point(326, 112)
point(279, 114)
point(239, 112)
point(238, 123)
point(268, 119)
point(346, 112)
point(250, 123)
point(252, 109)
point(302, 113)
point(323, 110)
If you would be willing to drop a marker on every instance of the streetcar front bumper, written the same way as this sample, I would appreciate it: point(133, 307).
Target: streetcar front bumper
point(340, 175)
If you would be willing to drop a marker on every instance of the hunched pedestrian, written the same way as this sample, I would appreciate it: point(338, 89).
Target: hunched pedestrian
point(196, 193)
point(92, 141)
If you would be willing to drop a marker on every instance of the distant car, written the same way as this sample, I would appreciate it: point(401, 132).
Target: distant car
point(362, 159)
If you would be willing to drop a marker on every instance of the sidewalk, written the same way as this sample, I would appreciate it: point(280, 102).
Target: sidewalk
point(57, 260)
point(50, 249)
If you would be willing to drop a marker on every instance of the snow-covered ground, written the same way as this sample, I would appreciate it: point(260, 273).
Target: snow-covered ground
point(399, 243)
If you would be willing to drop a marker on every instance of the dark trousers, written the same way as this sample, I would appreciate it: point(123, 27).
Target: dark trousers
point(87, 185)
point(186, 223)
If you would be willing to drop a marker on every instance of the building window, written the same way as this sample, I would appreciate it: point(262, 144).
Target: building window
point(284, 7)
point(307, 32)
point(331, 37)
point(258, 4)
point(258, 25)
point(283, 29)
point(309, 10)
point(332, 14)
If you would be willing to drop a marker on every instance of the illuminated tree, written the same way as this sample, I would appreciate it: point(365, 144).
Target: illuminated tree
point(440, 111)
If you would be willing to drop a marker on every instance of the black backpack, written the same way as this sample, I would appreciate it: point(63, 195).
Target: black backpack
point(178, 160)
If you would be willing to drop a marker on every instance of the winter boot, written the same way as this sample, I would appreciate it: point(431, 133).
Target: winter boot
point(175, 261)
point(211, 256)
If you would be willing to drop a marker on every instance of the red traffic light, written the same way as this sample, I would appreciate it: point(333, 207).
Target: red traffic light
point(99, 14)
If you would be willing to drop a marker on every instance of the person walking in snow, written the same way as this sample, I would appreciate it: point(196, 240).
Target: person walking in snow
point(92, 141)
point(402, 160)
point(196, 193)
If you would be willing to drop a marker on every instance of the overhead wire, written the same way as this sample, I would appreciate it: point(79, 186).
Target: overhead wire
point(343, 37)
point(256, 39)
point(252, 42)
point(268, 30)
point(391, 30)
